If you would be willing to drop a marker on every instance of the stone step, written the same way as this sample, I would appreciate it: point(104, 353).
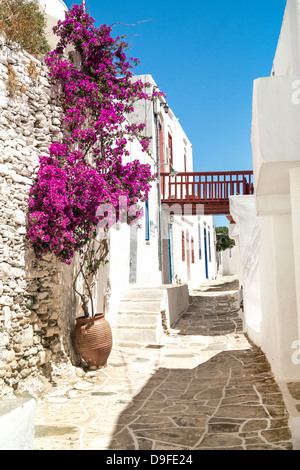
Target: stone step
point(140, 306)
point(17, 417)
point(147, 294)
point(138, 319)
point(146, 334)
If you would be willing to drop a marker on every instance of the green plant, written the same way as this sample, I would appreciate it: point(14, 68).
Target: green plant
point(24, 23)
point(223, 240)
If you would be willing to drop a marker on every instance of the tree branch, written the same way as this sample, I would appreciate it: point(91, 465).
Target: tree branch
point(130, 24)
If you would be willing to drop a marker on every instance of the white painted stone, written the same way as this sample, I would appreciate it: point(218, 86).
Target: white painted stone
point(4, 340)
point(9, 356)
point(6, 301)
point(2, 39)
point(19, 217)
point(27, 337)
point(4, 169)
point(7, 317)
point(44, 357)
point(17, 424)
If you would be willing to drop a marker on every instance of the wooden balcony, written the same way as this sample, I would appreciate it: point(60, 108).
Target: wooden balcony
point(206, 193)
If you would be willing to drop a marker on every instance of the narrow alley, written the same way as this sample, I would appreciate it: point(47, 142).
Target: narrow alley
point(205, 387)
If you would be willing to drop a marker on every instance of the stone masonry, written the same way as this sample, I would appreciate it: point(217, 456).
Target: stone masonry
point(32, 302)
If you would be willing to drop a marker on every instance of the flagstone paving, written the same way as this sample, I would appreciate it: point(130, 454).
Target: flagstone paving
point(205, 388)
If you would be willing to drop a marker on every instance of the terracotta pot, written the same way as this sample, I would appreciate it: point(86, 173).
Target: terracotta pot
point(93, 340)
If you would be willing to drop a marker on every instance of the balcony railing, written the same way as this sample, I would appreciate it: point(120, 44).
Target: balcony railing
point(208, 188)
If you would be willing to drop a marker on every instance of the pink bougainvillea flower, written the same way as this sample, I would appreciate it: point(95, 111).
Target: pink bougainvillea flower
point(87, 170)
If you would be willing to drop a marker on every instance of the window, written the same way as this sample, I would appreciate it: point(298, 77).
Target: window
point(161, 144)
point(209, 246)
point(183, 246)
point(170, 146)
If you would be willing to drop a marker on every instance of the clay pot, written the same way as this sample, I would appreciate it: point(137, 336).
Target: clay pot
point(93, 340)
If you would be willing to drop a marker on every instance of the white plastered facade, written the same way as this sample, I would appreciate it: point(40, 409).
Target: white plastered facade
point(54, 10)
point(272, 299)
point(134, 255)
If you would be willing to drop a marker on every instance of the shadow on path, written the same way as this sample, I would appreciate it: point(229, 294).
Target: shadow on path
point(229, 401)
point(219, 286)
point(205, 387)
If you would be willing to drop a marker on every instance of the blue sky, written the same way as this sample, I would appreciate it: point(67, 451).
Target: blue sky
point(204, 55)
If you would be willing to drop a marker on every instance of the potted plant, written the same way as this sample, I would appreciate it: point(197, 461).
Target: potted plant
point(92, 333)
point(81, 183)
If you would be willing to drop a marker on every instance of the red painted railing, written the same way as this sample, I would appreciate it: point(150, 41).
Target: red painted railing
point(210, 189)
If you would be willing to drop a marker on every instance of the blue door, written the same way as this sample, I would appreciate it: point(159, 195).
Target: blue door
point(170, 246)
point(205, 250)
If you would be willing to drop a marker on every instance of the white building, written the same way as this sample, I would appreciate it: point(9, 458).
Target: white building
point(189, 242)
point(267, 228)
point(171, 255)
point(229, 262)
point(54, 10)
point(276, 162)
point(164, 255)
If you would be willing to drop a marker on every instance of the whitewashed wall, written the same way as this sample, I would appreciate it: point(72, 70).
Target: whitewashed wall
point(230, 262)
point(54, 10)
point(115, 279)
point(194, 273)
point(247, 234)
point(182, 271)
point(276, 163)
point(287, 57)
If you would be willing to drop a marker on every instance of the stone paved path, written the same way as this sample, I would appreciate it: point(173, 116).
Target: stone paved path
point(206, 387)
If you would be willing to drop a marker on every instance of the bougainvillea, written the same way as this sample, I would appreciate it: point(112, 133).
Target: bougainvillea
point(87, 170)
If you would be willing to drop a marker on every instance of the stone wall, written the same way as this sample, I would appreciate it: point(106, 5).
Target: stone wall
point(36, 305)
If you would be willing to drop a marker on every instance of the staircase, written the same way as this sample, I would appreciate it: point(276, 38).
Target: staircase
point(140, 316)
